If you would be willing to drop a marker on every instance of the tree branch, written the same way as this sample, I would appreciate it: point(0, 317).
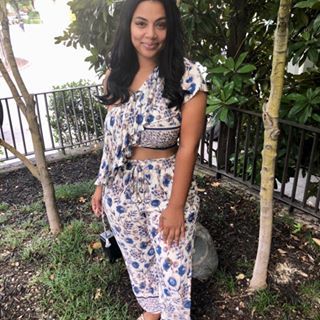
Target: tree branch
point(33, 169)
point(10, 55)
point(12, 87)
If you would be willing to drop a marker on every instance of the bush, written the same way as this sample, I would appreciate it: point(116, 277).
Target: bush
point(75, 116)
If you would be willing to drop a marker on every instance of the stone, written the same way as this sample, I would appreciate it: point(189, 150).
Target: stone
point(204, 257)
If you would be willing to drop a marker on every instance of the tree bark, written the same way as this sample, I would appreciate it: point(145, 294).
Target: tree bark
point(27, 106)
point(269, 152)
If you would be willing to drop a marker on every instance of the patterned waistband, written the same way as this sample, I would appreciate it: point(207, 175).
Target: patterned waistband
point(151, 164)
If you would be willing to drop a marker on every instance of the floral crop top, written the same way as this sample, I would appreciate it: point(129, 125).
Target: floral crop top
point(145, 121)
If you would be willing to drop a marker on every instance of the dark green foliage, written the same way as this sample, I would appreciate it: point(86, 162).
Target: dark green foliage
point(76, 116)
point(93, 29)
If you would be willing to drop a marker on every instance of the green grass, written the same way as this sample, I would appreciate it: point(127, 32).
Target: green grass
point(12, 237)
point(35, 207)
point(225, 281)
point(263, 301)
point(76, 284)
point(74, 191)
point(37, 247)
point(4, 207)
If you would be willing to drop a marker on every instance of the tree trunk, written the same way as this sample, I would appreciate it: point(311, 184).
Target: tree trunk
point(269, 152)
point(27, 106)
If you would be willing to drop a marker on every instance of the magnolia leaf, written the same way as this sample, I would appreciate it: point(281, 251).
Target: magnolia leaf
point(317, 241)
point(247, 68)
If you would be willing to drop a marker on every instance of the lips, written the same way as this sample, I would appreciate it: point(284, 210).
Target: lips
point(150, 46)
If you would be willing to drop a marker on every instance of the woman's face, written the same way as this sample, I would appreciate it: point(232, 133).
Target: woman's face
point(148, 29)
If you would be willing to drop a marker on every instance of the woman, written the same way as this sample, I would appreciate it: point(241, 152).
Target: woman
point(156, 108)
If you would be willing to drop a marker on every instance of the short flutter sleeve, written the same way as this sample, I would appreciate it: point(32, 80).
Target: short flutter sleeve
point(192, 81)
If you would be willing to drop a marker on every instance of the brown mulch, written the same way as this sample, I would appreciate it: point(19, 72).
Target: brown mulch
point(230, 214)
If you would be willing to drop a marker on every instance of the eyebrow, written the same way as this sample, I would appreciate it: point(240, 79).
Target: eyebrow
point(144, 19)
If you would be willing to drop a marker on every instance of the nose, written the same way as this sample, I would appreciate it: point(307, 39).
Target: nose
point(151, 32)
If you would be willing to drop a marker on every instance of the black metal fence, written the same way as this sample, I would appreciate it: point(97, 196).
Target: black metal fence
point(236, 153)
point(70, 118)
point(67, 118)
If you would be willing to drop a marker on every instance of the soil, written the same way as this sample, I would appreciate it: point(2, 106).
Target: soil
point(229, 212)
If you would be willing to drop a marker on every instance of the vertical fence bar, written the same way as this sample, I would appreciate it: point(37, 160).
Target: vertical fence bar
point(286, 164)
point(211, 137)
point(39, 115)
point(22, 133)
point(297, 169)
point(226, 158)
point(255, 151)
point(306, 187)
point(58, 123)
point(237, 138)
point(67, 116)
point(5, 149)
point(75, 116)
point(245, 160)
point(84, 115)
point(48, 118)
point(92, 114)
point(202, 141)
point(316, 207)
point(100, 112)
point(10, 124)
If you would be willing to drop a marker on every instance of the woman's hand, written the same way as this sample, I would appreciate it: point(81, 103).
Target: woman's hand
point(96, 201)
point(172, 225)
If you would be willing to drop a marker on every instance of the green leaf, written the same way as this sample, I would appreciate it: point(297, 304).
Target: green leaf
point(211, 109)
point(296, 97)
point(230, 63)
point(306, 4)
point(313, 55)
point(216, 82)
point(316, 23)
point(247, 68)
point(232, 100)
point(228, 90)
point(218, 70)
point(213, 100)
point(306, 36)
point(241, 58)
point(295, 110)
point(316, 117)
point(224, 114)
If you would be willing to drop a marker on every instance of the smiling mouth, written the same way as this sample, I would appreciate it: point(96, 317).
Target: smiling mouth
point(151, 46)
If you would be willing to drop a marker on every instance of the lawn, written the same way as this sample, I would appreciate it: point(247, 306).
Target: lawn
point(68, 277)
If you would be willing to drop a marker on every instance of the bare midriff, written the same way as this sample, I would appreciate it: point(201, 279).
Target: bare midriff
point(140, 153)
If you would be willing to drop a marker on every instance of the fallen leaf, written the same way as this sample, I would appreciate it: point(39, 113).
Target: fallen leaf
point(317, 241)
point(215, 184)
point(240, 276)
point(282, 251)
point(94, 246)
point(295, 238)
point(201, 190)
point(98, 294)
point(82, 200)
point(52, 276)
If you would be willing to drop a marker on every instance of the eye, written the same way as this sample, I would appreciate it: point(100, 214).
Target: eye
point(162, 25)
point(140, 24)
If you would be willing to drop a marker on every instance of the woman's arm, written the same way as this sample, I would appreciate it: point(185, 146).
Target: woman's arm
point(193, 116)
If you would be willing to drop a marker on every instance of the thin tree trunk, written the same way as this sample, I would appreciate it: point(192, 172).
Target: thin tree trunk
point(27, 106)
point(271, 133)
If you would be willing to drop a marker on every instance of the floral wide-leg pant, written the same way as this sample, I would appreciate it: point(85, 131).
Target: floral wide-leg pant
point(133, 201)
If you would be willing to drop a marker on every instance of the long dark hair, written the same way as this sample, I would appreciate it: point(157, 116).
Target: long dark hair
point(124, 61)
